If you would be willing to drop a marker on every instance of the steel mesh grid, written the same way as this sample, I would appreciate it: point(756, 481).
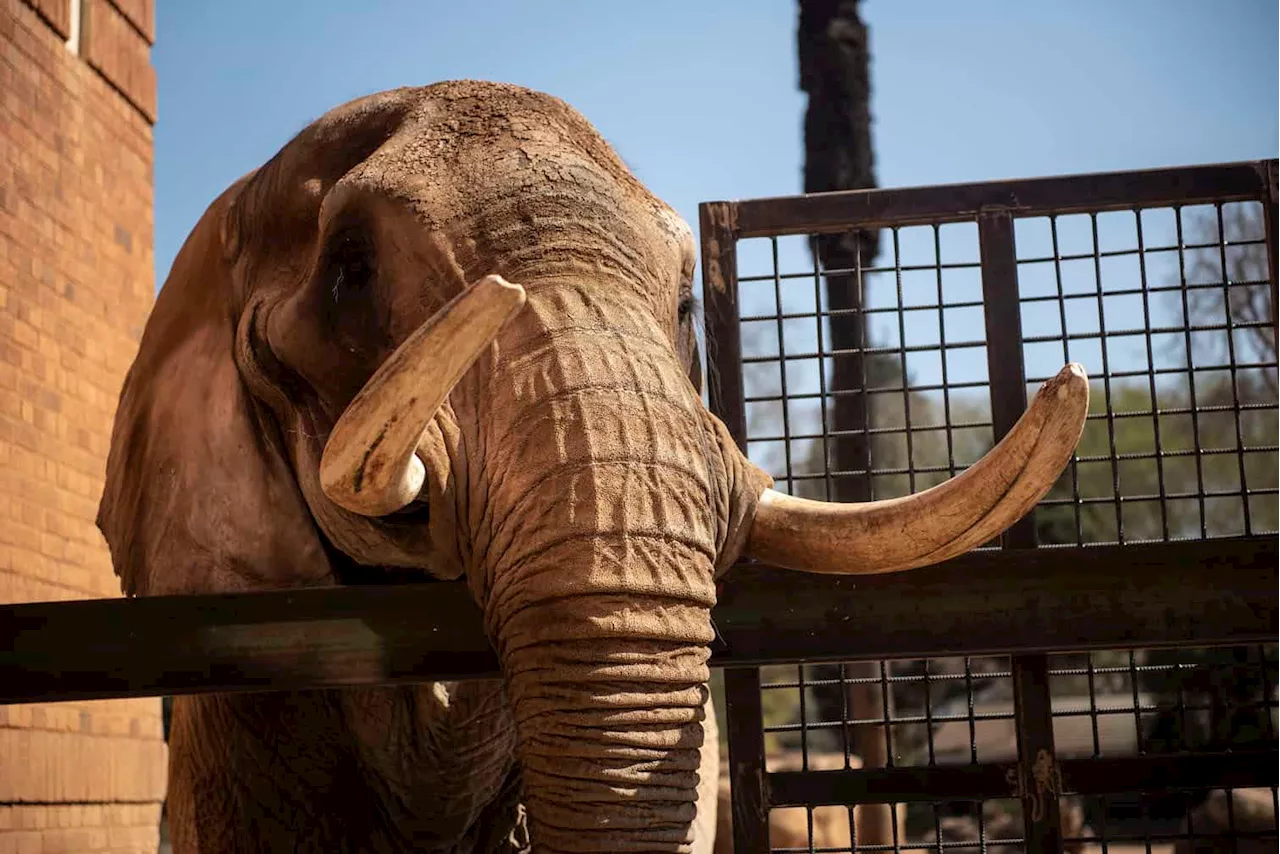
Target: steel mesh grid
point(927, 712)
point(1167, 702)
point(906, 406)
point(1169, 309)
point(1181, 821)
point(1105, 704)
point(1180, 442)
point(1126, 702)
point(892, 462)
point(938, 827)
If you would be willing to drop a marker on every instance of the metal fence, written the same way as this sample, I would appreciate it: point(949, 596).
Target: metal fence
point(1117, 676)
point(870, 378)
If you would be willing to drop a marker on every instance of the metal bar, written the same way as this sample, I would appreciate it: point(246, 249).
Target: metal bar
point(1108, 419)
point(751, 799)
point(987, 602)
point(1101, 776)
point(847, 209)
point(900, 784)
point(743, 709)
point(1156, 773)
point(1033, 711)
point(1270, 172)
point(1189, 351)
point(1004, 341)
point(720, 307)
point(311, 638)
point(1033, 721)
point(1063, 326)
point(1151, 390)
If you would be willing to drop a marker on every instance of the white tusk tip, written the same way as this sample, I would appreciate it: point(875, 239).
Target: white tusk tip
point(1070, 381)
point(500, 288)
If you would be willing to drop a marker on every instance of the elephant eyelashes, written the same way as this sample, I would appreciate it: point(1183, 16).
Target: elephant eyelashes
point(349, 264)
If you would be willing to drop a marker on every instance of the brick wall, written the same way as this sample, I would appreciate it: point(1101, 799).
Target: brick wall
point(77, 100)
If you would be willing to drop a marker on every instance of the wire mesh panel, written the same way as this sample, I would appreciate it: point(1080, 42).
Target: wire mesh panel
point(870, 345)
point(917, 389)
point(1170, 308)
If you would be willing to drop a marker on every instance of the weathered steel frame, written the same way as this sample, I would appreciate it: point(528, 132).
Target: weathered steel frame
point(993, 206)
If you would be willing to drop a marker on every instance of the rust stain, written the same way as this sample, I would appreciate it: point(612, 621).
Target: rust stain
point(722, 219)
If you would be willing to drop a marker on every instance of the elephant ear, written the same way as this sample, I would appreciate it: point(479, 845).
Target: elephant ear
point(199, 495)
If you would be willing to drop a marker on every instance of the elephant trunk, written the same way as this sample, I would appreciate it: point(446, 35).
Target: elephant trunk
point(610, 727)
point(596, 541)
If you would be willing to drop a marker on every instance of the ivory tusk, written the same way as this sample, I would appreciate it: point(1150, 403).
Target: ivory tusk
point(369, 465)
point(939, 523)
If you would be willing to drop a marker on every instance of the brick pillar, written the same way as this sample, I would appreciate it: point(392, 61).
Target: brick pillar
point(77, 101)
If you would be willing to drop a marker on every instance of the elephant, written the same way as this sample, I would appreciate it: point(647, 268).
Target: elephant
point(445, 334)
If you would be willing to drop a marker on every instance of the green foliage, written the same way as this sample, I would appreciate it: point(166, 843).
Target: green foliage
point(1226, 462)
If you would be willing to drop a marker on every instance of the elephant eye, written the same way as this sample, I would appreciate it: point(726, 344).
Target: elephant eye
point(349, 263)
point(685, 309)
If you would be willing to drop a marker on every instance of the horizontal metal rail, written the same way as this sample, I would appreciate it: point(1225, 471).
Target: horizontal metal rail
point(992, 780)
point(846, 209)
point(1165, 594)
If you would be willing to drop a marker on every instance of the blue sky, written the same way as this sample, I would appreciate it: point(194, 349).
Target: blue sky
point(700, 98)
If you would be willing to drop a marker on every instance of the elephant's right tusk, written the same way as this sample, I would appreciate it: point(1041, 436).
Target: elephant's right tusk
point(370, 464)
point(939, 523)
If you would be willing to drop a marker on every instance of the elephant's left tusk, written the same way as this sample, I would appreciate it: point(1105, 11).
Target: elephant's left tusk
point(939, 523)
point(369, 464)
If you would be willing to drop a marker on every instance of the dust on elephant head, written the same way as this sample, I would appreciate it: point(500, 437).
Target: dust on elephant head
point(339, 383)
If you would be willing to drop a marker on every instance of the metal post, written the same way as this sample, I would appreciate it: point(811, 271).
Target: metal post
point(744, 712)
point(1271, 185)
point(1037, 764)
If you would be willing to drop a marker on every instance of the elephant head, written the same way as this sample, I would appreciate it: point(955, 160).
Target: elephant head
point(340, 383)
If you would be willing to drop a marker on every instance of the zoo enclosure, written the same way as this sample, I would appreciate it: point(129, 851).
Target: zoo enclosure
point(1163, 284)
point(1023, 605)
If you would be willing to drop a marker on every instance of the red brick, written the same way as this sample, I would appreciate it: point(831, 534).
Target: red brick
point(119, 52)
point(75, 284)
point(141, 14)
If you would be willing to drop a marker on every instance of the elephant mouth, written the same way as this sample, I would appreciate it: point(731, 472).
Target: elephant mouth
point(415, 513)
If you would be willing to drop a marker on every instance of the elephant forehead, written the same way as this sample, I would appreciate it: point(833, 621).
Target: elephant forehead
point(469, 147)
point(450, 150)
point(445, 175)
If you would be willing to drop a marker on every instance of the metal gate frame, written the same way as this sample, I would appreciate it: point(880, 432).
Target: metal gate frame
point(993, 206)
